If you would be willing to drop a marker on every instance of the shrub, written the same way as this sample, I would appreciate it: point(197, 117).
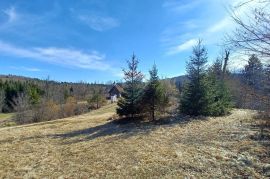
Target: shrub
point(46, 111)
point(81, 109)
point(68, 109)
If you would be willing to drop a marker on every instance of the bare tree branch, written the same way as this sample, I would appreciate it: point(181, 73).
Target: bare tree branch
point(252, 35)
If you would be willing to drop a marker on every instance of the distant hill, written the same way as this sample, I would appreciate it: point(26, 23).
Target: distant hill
point(80, 90)
point(17, 78)
point(23, 78)
point(178, 80)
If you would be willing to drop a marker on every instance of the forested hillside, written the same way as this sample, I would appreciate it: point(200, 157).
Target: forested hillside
point(36, 100)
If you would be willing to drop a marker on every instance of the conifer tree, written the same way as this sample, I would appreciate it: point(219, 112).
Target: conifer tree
point(153, 98)
point(266, 87)
point(219, 101)
point(128, 104)
point(2, 99)
point(97, 98)
point(206, 92)
point(194, 100)
point(253, 83)
point(253, 72)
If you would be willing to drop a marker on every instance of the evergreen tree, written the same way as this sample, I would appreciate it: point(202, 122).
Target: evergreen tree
point(98, 97)
point(216, 69)
point(206, 92)
point(34, 93)
point(253, 83)
point(266, 80)
point(253, 72)
point(194, 100)
point(2, 98)
point(128, 104)
point(219, 102)
point(153, 98)
point(266, 87)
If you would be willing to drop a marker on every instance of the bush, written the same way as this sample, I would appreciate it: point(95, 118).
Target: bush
point(69, 108)
point(24, 117)
point(81, 109)
point(45, 111)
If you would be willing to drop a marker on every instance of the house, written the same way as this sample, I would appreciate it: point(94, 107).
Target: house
point(115, 92)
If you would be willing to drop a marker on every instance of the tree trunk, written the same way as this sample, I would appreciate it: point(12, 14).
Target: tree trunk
point(226, 59)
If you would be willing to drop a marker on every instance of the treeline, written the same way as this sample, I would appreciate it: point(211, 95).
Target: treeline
point(209, 90)
point(41, 100)
point(250, 87)
point(10, 90)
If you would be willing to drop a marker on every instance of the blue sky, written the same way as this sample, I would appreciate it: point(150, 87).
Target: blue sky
point(90, 40)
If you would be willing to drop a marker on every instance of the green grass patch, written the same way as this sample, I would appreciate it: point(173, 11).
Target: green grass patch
point(6, 115)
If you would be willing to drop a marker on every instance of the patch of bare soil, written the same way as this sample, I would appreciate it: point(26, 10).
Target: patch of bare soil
point(90, 145)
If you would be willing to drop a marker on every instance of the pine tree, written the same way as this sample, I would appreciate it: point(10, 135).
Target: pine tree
point(266, 79)
point(253, 82)
point(266, 87)
point(153, 98)
point(219, 101)
point(2, 98)
point(98, 98)
point(194, 100)
point(253, 72)
point(128, 104)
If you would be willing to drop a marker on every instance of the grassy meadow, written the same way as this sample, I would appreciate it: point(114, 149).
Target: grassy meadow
point(93, 145)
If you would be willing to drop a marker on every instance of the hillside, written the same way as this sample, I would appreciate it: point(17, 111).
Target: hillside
point(90, 145)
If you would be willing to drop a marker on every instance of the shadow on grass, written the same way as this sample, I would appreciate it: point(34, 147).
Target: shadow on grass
point(115, 129)
point(122, 128)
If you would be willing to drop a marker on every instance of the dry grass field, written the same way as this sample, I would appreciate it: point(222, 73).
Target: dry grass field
point(90, 145)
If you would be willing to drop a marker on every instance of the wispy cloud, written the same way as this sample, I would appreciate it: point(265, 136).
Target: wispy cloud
point(237, 61)
point(227, 22)
point(182, 47)
point(23, 68)
point(223, 24)
point(177, 37)
point(60, 56)
point(176, 40)
point(180, 6)
point(11, 13)
point(99, 23)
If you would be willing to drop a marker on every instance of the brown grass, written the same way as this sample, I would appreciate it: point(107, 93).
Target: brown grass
point(90, 145)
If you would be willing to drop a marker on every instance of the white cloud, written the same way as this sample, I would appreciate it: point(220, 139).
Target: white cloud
point(99, 23)
point(117, 73)
point(31, 69)
point(11, 13)
point(237, 61)
point(212, 33)
point(223, 24)
point(180, 6)
point(59, 56)
point(239, 10)
point(182, 47)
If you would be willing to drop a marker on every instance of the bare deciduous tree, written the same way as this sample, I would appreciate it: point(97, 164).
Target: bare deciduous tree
point(225, 63)
point(252, 34)
point(21, 106)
